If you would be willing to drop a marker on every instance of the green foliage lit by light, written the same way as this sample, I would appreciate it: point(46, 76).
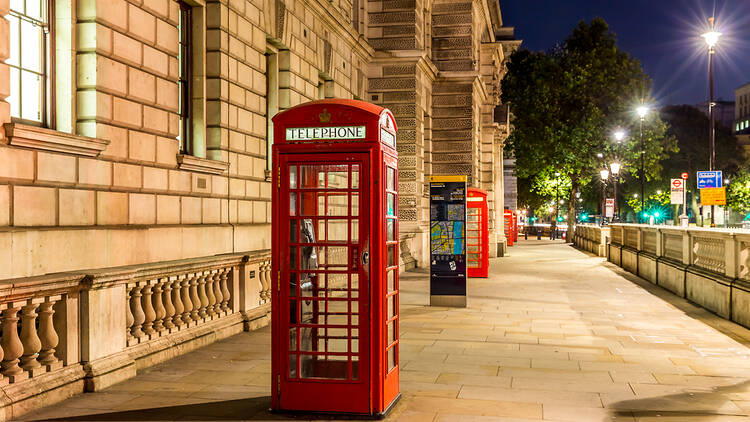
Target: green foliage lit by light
point(738, 191)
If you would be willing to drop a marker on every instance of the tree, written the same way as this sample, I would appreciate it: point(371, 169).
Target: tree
point(565, 103)
point(690, 127)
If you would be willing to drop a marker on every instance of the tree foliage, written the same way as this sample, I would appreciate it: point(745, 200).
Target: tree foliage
point(566, 102)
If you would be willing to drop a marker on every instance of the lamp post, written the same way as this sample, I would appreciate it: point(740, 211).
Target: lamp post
point(642, 111)
point(615, 168)
point(604, 173)
point(711, 37)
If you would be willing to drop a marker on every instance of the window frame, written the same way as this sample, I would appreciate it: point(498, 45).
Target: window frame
point(185, 63)
point(47, 64)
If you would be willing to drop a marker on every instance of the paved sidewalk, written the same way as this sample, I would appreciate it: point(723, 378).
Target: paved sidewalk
point(554, 334)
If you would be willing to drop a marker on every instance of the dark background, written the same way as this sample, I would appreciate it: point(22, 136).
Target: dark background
point(663, 34)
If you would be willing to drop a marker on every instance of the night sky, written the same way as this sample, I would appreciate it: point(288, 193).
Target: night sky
point(663, 34)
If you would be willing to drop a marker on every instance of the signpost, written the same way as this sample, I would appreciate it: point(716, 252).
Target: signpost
point(677, 191)
point(713, 196)
point(684, 221)
point(710, 179)
point(609, 208)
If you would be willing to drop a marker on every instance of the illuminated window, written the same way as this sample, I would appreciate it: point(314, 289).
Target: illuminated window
point(185, 59)
point(28, 60)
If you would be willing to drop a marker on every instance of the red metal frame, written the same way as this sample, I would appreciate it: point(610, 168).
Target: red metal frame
point(325, 356)
point(477, 233)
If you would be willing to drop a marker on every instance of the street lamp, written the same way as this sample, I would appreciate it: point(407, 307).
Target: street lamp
point(711, 37)
point(604, 173)
point(642, 111)
point(619, 135)
point(615, 167)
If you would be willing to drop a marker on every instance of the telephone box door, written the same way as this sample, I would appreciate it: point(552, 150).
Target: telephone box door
point(324, 293)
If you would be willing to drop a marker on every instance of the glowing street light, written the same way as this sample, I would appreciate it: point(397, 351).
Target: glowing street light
point(712, 38)
point(642, 110)
point(619, 135)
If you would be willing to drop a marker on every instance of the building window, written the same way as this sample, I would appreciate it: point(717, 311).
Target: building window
point(185, 60)
point(29, 61)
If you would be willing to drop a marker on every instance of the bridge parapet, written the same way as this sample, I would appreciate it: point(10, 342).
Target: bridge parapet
point(67, 333)
point(708, 266)
point(592, 238)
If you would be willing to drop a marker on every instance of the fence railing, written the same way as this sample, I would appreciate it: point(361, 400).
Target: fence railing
point(710, 267)
point(84, 331)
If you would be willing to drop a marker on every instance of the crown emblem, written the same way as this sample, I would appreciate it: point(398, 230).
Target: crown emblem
point(325, 116)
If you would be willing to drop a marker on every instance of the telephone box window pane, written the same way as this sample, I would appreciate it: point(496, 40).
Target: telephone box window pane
point(355, 230)
point(292, 366)
point(391, 307)
point(337, 205)
point(355, 367)
point(391, 255)
point(308, 288)
point(391, 204)
point(390, 178)
point(355, 282)
point(391, 332)
point(307, 231)
point(337, 256)
point(391, 229)
point(292, 339)
point(292, 258)
point(292, 203)
point(319, 367)
point(337, 230)
point(309, 203)
point(355, 340)
point(391, 358)
point(309, 179)
point(355, 176)
point(338, 178)
point(292, 311)
point(293, 231)
point(293, 284)
point(292, 177)
point(391, 281)
point(355, 205)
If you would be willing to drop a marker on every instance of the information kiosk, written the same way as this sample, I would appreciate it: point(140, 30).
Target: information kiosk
point(477, 233)
point(448, 241)
point(335, 259)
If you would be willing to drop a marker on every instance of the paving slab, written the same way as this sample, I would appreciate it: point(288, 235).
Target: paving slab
point(554, 334)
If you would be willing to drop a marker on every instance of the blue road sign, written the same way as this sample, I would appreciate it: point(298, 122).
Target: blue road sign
point(710, 179)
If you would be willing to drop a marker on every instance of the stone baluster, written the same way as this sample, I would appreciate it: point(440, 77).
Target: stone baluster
point(202, 294)
point(148, 310)
point(47, 334)
point(263, 277)
point(129, 320)
point(210, 293)
point(225, 290)
point(12, 345)
point(195, 298)
point(2, 355)
point(30, 339)
point(139, 317)
point(216, 277)
point(158, 303)
point(169, 309)
point(189, 294)
point(179, 307)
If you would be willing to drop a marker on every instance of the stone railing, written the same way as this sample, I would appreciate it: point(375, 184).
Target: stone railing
point(710, 267)
point(68, 333)
point(591, 238)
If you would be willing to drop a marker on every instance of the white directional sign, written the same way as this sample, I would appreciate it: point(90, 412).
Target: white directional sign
point(609, 210)
point(677, 190)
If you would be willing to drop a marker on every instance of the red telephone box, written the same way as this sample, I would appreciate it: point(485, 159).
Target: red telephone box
point(508, 227)
point(477, 233)
point(335, 258)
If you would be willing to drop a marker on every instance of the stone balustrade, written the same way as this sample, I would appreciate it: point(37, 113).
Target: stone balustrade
point(591, 238)
point(710, 267)
point(67, 333)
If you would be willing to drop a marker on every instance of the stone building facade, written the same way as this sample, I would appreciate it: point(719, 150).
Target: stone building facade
point(134, 139)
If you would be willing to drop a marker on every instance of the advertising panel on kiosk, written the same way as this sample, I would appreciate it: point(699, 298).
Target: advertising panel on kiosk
point(448, 241)
point(335, 284)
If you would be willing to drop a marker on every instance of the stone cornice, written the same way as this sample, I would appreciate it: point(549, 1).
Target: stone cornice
point(353, 39)
point(21, 135)
point(418, 57)
point(201, 165)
